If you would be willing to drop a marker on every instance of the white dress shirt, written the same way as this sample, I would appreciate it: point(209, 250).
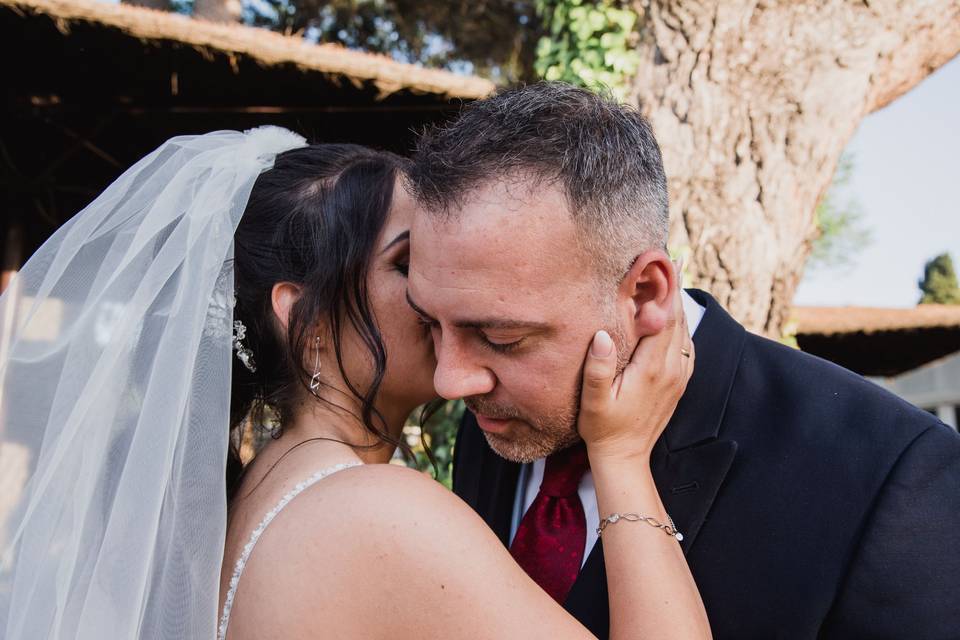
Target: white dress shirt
point(531, 475)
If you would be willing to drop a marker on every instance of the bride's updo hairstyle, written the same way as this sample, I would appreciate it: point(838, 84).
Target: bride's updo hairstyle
point(312, 220)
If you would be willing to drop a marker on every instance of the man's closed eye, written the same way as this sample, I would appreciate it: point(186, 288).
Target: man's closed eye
point(498, 345)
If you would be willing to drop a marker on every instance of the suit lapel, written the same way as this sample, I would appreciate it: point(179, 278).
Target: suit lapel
point(492, 494)
point(501, 498)
point(689, 462)
point(689, 481)
point(587, 600)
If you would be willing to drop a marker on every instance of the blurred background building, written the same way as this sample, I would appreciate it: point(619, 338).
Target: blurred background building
point(913, 352)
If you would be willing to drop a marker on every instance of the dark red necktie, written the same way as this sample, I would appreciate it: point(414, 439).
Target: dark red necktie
point(550, 539)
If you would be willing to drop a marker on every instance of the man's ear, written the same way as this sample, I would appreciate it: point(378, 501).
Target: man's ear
point(283, 296)
point(645, 294)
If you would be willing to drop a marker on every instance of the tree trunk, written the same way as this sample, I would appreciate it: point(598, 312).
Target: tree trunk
point(752, 103)
point(217, 10)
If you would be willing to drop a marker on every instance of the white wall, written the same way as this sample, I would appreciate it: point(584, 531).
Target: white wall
point(934, 387)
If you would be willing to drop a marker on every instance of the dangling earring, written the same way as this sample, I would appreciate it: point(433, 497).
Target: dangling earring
point(315, 380)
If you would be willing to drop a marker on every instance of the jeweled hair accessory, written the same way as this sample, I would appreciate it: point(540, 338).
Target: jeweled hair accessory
point(244, 354)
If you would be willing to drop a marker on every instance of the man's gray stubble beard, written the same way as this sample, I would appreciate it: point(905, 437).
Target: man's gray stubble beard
point(558, 431)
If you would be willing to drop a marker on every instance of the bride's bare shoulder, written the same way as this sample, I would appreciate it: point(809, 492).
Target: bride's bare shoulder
point(367, 534)
point(384, 495)
point(352, 512)
point(379, 547)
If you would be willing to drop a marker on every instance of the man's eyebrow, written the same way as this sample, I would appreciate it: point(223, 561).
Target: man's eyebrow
point(482, 323)
point(403, 235)
point(500, 323)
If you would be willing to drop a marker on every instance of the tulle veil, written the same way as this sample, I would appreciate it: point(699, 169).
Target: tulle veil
point(115, 347)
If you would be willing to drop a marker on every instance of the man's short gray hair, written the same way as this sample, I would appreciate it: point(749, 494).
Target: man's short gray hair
point(602, 153)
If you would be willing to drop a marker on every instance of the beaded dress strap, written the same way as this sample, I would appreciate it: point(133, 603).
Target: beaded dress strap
point(267, 519)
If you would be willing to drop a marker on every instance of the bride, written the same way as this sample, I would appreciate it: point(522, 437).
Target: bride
point(230, 275)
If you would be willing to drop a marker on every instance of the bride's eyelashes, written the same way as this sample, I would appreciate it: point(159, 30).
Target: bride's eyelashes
point(403, 268)
point(424, 321)
point(425, 324)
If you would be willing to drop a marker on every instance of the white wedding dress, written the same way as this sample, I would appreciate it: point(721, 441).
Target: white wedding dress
point(255, 536)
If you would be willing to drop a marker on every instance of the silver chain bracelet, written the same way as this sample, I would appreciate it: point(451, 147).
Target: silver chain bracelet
point(613, 518)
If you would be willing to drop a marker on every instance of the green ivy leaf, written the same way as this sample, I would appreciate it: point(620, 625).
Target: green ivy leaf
point(589, 43)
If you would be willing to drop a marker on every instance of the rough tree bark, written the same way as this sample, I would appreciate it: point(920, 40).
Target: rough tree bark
point(752, 103)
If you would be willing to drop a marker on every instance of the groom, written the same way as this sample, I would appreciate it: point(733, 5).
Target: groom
point(812, 503)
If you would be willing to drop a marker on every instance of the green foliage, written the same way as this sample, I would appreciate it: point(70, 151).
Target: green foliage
point(495, 38)
point(939, 283)
point(440, 434)
point(840, 224)
point(587, 43)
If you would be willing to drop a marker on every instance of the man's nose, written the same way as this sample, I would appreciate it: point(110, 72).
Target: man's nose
point(457, 376)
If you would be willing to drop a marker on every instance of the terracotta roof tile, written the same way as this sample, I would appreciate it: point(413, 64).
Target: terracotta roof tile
point(838, 320)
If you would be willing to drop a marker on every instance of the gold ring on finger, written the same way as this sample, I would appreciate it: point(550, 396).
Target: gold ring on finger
point(685, 353)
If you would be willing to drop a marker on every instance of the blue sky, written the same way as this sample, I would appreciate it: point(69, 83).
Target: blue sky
point(906, 178)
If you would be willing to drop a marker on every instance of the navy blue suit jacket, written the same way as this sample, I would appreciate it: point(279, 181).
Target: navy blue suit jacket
point(813, 503)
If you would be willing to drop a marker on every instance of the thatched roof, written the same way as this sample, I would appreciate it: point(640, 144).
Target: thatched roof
point(264, 47)
point(839, 320)
point(92, 86)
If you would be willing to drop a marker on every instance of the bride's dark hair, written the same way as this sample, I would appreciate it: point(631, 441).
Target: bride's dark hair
point(312, 220)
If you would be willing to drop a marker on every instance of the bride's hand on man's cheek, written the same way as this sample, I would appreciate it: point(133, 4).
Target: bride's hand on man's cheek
point(623, 414)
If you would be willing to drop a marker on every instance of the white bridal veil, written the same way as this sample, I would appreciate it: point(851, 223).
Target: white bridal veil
point(115, 360)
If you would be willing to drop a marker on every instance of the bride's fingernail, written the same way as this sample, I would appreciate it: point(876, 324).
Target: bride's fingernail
point(602, 345)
